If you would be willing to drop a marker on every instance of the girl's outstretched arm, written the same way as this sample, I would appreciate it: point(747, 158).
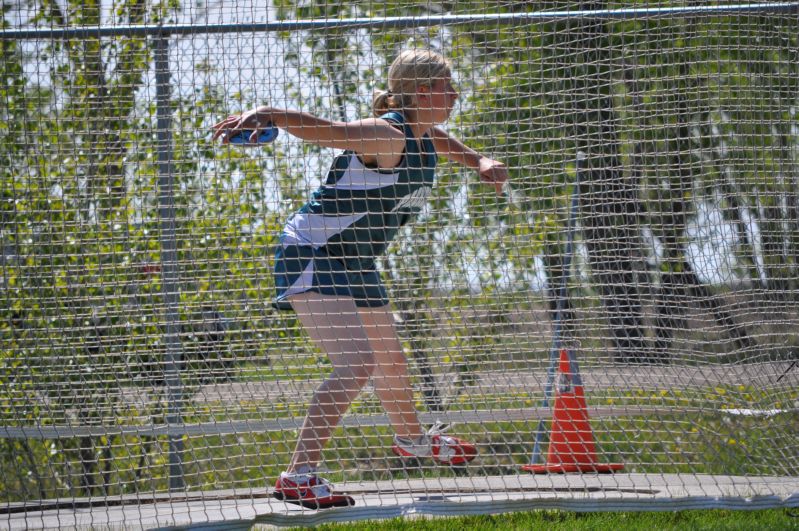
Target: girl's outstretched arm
point(371, 137)
point(490, 170)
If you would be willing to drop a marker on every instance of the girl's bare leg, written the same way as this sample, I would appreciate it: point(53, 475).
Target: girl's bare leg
point(361, 343)
point(334, 324)
point(390, 377)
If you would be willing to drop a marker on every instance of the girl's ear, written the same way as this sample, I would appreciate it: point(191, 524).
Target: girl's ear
point(422, 91)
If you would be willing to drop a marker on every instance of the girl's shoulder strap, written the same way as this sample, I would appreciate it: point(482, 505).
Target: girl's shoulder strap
point(396, 117)
point(393, 116)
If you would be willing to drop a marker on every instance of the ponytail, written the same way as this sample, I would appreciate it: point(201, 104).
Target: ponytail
point(381, 103)
point(384, 101)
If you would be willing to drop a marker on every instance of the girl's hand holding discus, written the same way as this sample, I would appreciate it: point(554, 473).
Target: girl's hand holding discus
point(246, 129)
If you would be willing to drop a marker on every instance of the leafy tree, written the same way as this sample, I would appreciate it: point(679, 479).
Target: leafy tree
point(690, 117)
point(22, 460)
point(675, 133)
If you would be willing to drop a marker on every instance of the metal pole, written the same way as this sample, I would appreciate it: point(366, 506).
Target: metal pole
point(169, 263)
point(563, 292)
point(415, 21)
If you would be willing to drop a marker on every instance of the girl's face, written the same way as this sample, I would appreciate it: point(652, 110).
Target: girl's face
point(442, 97)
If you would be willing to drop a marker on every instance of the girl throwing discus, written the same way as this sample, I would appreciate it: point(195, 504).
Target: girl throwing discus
point(325, 263)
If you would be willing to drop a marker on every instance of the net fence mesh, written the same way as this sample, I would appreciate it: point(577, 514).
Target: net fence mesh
point(141, 355)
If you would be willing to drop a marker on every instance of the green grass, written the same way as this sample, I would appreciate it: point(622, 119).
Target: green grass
point(777, 519)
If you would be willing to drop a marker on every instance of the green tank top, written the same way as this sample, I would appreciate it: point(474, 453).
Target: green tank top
point(357, 210)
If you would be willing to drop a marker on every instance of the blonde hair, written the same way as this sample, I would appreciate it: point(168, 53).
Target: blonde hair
point(409, 71)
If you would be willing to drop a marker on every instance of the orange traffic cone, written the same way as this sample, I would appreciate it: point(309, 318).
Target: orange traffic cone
point(571, 443)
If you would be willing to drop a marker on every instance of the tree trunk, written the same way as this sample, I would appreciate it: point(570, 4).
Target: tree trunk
point(608, 200)
point(679, 283)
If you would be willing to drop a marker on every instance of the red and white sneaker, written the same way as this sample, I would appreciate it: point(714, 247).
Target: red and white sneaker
point(442, 448)
point(313, 493)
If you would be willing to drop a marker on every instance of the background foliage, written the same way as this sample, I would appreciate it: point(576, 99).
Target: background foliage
point(688, 125)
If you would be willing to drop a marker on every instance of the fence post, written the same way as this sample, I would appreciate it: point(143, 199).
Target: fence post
point(563, 293)
point(173, 356)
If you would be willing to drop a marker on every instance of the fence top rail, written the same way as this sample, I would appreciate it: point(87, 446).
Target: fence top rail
point(165, 30)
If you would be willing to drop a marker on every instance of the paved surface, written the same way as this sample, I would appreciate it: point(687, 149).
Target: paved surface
point(242, 404)
point(615, 376)
point(463, 495)
point(387, 499)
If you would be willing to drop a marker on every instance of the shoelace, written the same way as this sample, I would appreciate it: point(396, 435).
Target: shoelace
point(439, 428)
point(445, 450)
point(436, 430)
point(322, 488)
point(319, 487)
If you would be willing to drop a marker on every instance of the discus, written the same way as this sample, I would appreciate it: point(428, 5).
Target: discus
point(266, 135)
